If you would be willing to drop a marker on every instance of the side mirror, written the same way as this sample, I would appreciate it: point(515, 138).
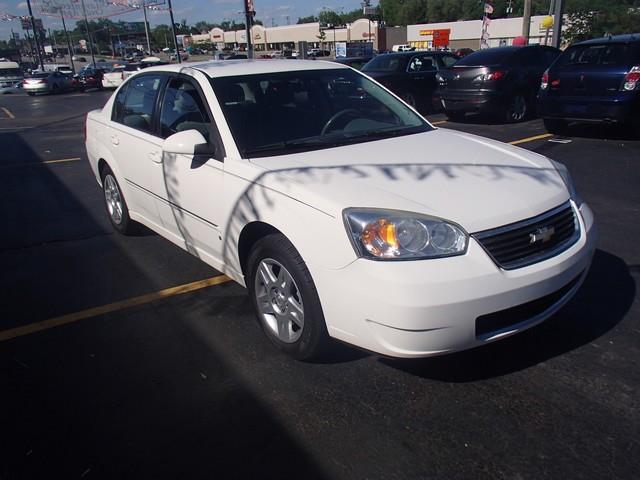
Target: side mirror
point(187, 142)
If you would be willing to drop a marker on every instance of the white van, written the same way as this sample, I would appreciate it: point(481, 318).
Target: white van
point(10, 74)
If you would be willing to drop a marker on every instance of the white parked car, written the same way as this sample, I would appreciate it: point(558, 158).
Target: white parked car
point(342, 210)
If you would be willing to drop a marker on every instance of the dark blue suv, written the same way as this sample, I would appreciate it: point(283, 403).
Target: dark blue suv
point(593, 81)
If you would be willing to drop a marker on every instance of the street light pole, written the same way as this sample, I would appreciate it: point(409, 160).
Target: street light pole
point(173, 31)
point(557, 23)
point(526, 20)
point(86, 24)
point(35, 35)
point(64, 27)
point(146, 25)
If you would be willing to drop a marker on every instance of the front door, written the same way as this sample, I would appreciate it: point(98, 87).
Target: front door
point(191, 189)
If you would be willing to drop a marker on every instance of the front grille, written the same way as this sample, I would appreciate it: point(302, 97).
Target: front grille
point(490, 324)
point(533, 240)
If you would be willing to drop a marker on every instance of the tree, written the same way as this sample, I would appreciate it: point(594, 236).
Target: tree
point(203, 26)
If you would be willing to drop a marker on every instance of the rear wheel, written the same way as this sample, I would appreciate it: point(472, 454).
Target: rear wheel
point(555, 125)
point(285, 299)
point(517, 108)
point(115, 203)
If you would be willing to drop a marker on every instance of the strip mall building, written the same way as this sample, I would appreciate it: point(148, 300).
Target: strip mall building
point(454, 35)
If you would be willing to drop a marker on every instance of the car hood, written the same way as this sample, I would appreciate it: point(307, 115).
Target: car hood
point(473, 181)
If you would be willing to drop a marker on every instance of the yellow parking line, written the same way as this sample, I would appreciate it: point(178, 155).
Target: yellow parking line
point(439, 122)
point(8, 113)
point(531, 139)
point(31, 164)
point(111, 307)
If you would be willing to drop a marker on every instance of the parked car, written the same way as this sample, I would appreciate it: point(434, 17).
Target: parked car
point(402, 48)
point(317, 53)
point(10, 74)
point(593, 81)
point(89, 78)
point(354, 62)
point(115, 77)
point(183, 56)
point(360, 222)
point(502, 82)
point(237, 56)
point(410, 75)
point(8, 89)
point(77, 58)
point(47, 82)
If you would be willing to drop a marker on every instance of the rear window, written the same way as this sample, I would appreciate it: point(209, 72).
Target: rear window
point(10, 72)
point(483, 58)
point(598, 54)
point(387, 63)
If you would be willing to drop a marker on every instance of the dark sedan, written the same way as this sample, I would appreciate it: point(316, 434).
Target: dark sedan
point(593, 81)
point(502, 82)
point(89, 78)
point(410, 75)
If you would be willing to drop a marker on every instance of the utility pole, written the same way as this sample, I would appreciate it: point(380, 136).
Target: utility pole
point(35, 35)
point(557, 23)
point(66, 32)
point(526, 20)
point(173, 31)
point(146, 26)
point(86, 24)
point(248, 15)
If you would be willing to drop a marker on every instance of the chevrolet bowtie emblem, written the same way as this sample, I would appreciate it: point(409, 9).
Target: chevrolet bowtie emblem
point(543, 235)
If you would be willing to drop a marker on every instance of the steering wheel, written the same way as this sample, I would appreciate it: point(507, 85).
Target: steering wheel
point(332, 120)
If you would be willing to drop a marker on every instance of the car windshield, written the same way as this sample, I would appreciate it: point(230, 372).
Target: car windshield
point(485, 58)
point(387, 63)
point(278, 113)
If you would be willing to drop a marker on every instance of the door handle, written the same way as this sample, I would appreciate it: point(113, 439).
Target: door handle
point(155, 157)
point(115, 140)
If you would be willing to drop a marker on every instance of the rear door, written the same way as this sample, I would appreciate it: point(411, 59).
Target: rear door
point(136, 144)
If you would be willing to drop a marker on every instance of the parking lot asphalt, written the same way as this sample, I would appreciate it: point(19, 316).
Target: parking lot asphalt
point(100, 379)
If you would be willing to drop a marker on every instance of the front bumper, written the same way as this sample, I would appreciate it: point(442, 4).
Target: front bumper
point(617, 109)
point(431, 307)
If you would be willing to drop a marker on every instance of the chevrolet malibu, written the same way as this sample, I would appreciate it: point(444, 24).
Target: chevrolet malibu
point(342, 210)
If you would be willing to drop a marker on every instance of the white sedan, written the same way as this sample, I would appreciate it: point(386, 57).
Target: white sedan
point(342, 210)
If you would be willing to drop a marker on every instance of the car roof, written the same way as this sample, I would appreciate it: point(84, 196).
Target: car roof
point(626, 38)
point(416, 52)
point(230, 68)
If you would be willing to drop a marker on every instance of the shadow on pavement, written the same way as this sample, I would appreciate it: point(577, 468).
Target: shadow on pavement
point(602, 302)
point(133, 394)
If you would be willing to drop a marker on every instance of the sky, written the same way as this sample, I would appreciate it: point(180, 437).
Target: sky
point(213, 11)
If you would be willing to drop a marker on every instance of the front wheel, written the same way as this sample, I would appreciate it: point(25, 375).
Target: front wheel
point(285, 299)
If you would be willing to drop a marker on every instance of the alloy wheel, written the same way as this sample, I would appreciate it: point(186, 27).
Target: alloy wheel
point(113, 199)
point(279, 301)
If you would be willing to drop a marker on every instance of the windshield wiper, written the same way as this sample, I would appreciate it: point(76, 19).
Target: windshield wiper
point(289, 145)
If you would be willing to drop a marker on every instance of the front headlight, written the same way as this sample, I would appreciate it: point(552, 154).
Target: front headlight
point(395, 235)
point(568, 181)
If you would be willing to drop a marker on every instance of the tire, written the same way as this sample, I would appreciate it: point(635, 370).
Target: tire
point(285, 299)
point(115, 204)
point(517, 108)
point(555, 126)
point(455, 116)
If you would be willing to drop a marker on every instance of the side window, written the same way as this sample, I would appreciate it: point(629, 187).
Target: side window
point(421, 64)
point(139, 100)
point(183, 109)
point(118, 105)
